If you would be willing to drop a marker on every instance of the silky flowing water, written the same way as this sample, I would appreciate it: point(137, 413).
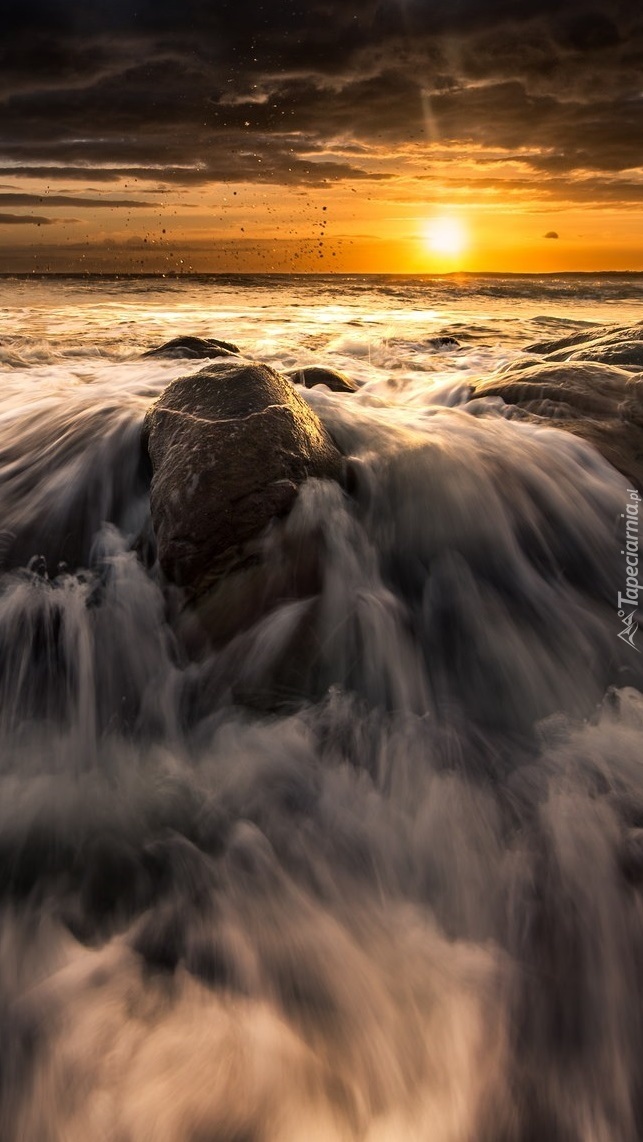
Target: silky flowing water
point(372, 868)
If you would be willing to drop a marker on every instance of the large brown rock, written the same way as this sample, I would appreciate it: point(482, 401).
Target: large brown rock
point(229, 447)
point(601, 403)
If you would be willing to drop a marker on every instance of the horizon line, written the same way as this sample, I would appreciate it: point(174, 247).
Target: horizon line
point(178, 274)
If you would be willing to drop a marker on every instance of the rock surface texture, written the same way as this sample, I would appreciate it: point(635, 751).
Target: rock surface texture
point(193, 348)
point(229, 447)
point(311, 375)
point(618, 345)
point(602, 404)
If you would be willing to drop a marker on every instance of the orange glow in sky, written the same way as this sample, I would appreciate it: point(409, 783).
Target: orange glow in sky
point(458, 219)
point(376, 234)
point(418, 143)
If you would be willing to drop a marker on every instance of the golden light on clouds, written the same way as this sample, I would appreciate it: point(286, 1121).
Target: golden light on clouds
point(434, 142)
point(474, 211)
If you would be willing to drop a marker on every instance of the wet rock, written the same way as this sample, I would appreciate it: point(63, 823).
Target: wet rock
point(321, 375)
point(615, 345)
point(600, 403)
point(553, 344)
point(627, 354)
point(193, 348)
point(229, 446)
point(444, 342)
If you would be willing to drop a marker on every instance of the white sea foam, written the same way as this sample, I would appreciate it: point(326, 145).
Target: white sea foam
point(372, 869)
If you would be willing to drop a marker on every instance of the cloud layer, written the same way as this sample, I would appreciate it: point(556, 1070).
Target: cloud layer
point(198, 92)
point(24, 220)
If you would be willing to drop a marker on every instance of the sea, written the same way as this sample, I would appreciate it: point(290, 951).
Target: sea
point(372, 869)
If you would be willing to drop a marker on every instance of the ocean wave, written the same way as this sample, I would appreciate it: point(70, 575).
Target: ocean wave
point(370, 865)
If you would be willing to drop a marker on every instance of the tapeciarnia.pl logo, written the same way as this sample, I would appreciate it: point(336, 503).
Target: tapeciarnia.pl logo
point(629, 601)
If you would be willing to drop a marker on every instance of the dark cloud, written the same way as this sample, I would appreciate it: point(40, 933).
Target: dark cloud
point(15, 198)
point(198, 91)
point(24, 220)
point(589, 31)
point(243, 167)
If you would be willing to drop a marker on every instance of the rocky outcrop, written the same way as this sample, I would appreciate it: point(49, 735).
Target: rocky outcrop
point(321, 375)
point(229, 447)
point(626, 354)
point(616, 345)
point(193, 348)
point(600, 403)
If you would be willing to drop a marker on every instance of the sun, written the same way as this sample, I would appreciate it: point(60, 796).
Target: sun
point(446, 236)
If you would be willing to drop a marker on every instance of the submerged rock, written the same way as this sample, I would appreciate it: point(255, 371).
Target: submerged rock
point(445, 341)
point(192, 348)
point(600, 403)
point(321, 375)
point(230, 447)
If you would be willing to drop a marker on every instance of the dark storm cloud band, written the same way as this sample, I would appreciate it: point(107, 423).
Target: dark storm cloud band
point(197, 92)
point(24, 220)
point(18, 199)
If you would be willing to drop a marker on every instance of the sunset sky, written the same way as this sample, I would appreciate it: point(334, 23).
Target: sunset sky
point(396, 136)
